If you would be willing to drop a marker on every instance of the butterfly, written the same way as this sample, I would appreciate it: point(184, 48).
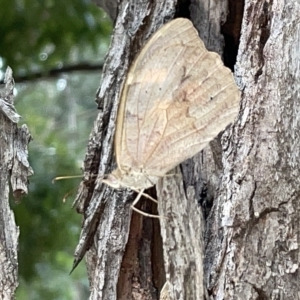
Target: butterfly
point(177, 97)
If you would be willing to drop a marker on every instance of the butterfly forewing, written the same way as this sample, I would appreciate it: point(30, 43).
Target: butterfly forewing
point(176, 98)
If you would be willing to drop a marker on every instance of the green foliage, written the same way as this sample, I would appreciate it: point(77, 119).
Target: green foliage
point(40, 35)
point(37, 36)
point(59, 115)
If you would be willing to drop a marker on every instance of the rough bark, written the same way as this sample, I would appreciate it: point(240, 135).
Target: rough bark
point(179, 197)
point(125, 259)
point(14, 167)
point(114, 270)
point(253, 232)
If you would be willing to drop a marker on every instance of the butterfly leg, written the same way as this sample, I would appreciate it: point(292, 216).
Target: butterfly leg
point(140, 194)
point(145, 195)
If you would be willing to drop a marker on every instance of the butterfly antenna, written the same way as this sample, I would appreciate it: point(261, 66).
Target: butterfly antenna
point(67, 195)
point(70, 177)
point(65, 177)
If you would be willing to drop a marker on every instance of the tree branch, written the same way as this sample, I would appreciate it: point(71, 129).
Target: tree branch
point(56, 72)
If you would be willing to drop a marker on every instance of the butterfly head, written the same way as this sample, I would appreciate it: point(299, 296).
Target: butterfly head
point(113, 181)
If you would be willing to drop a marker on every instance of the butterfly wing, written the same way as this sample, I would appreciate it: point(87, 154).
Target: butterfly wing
point(177, 97)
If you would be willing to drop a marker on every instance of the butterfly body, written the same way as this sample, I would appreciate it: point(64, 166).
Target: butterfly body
point(135, 179)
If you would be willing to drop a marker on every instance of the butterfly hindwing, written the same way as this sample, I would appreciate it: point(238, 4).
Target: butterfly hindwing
point(177, 97)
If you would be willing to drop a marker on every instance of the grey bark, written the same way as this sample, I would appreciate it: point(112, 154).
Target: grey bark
point(121, 260)
point(107, 216)
point(253, 233)
point(125, 257)
point(251, 175)
point(14, 166)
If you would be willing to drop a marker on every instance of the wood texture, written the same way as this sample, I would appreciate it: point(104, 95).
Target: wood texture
point(107, 214)
point(253, 233)
point(182, 233)
point(251, 236)
point(14, 168)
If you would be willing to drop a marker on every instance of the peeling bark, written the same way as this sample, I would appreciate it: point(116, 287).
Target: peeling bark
point(107, 213)
point(252, 234)
point(14, 166)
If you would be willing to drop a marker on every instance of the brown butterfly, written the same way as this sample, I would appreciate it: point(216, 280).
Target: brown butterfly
point(177, 97)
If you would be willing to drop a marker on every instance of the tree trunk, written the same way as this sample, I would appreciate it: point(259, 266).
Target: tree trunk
point(252, 233)
point(13, 166)
point(236, 201)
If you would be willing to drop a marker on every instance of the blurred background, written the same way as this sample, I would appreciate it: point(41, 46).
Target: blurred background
point(56, 50)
